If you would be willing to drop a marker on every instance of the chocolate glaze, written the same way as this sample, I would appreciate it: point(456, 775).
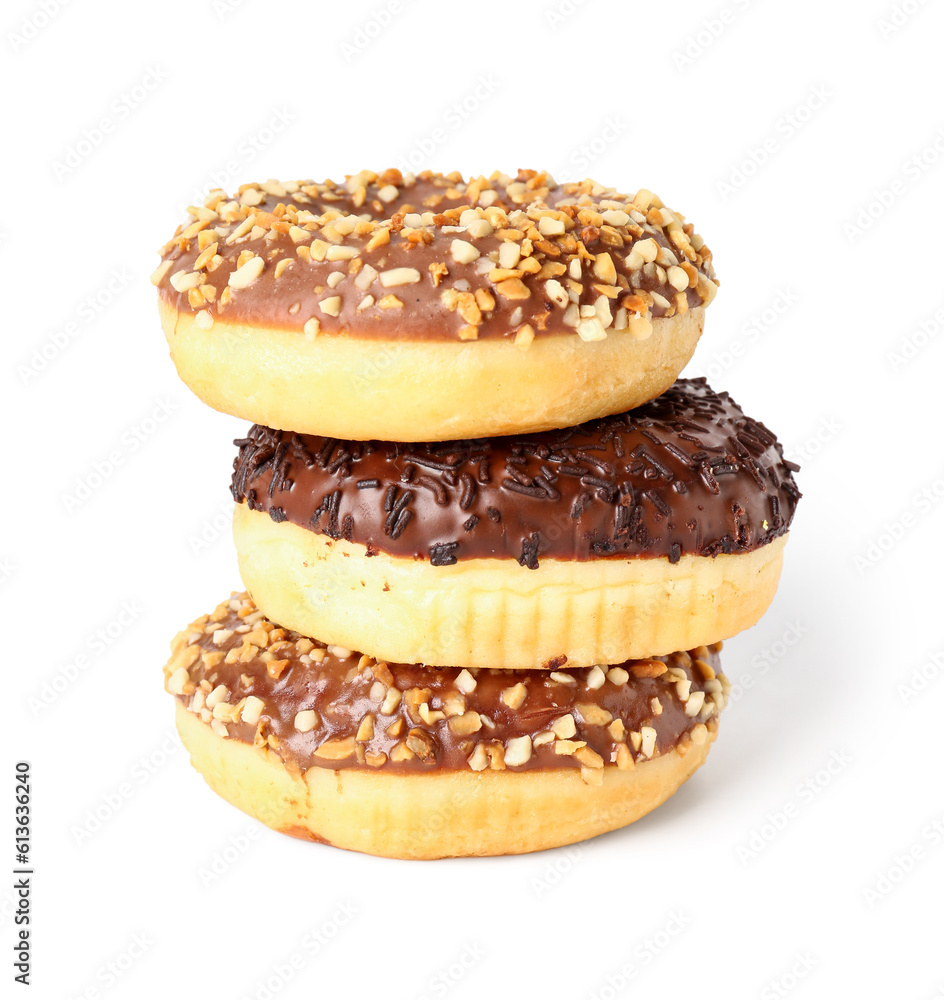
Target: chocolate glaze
point(289, 301)
point(339, 690)
point(685, 474)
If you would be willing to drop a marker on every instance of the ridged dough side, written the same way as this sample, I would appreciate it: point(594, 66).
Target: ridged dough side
point(435, 815)
point(493, 612)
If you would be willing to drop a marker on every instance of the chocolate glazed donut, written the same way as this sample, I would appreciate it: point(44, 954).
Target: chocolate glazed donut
point(617, 538)
point(303, 306)
point(332, 745)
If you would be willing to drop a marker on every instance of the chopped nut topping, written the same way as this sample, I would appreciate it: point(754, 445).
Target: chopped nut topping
point(466, 724)
point(306, 720)
point(514, 697)
point(246, 274)
point(399, 276)
point(465, 682)
point(325, 690)
point(518, 751)
point(331, 306)
point(337, 749)
point(564, 727)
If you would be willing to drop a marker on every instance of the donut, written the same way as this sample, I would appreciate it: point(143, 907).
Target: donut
point(330, 745)
point(430, 308)
point(642, 533)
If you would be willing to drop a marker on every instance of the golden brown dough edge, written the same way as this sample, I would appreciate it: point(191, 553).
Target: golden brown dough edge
point(436, 815)
point(361, 388)
point(492, 612)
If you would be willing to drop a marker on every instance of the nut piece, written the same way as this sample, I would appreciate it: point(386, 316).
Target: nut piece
point(696, 701)
point(399, 276)
point(518, 751)
point(252, 709)
point(514, 697)
point(478, 761)
point(178, 680)
point(594, 715)
point(464, 252)
point(245, 275)
point(331, 306)
point(391, 701)
point(423, 744)
point(564, 727)
point(305, 721)
point(337, 749)
point(465, 682)
point(218, 694)
point(596, 678)
point(648, 668)
point(365, 731)
point(624, 759)
point(466, 724)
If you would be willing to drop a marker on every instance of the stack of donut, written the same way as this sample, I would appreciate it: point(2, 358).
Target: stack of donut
point(490, 544)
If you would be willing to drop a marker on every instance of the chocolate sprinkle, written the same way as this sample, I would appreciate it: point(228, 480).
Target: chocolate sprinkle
point(443, 553)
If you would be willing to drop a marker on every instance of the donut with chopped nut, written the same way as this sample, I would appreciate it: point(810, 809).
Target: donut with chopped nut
point(431, 308)
point(641, 533)
point(395, 759)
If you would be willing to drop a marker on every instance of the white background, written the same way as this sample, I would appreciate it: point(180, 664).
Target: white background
point(805, 141)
